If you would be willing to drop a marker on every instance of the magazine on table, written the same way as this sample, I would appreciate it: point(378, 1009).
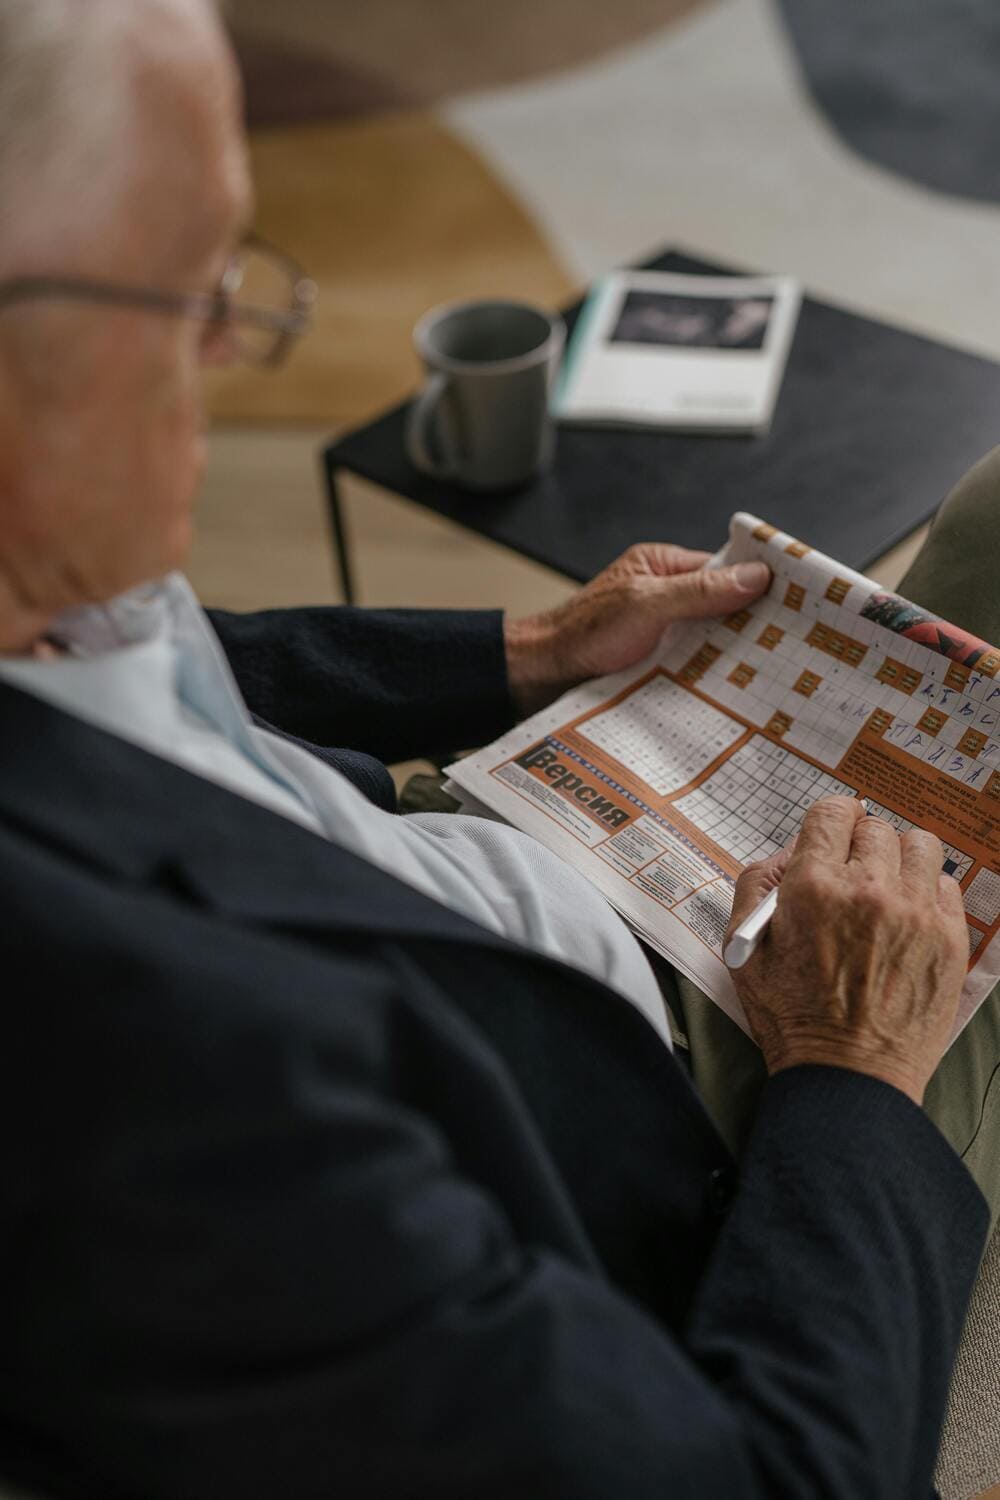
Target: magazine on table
point(693, 353)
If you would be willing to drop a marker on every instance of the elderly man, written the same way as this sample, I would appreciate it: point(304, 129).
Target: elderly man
point(338, 1157)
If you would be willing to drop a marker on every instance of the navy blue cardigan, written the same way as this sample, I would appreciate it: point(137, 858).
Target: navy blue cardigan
point(311, 1187)
point(361, 687)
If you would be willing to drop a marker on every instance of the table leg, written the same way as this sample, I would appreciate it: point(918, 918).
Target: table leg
point(340, 539)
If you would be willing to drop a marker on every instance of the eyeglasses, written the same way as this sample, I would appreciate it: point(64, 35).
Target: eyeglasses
point(264, 296)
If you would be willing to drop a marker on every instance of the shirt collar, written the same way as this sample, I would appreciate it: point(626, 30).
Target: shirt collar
point(128, 620)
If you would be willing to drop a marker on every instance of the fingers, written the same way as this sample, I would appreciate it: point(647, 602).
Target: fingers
point(828, 830)
point(876, 846)
point(951, 909)
point(755, 883)
point(921, 855)
point(712, 591)
point(949, 897)
point(664, 559)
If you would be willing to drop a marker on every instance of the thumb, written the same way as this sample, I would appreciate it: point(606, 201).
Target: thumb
point(713, 591)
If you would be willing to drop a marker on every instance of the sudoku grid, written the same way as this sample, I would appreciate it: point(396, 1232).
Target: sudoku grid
point(982, 897)
point(753, 804)
point(663, 734)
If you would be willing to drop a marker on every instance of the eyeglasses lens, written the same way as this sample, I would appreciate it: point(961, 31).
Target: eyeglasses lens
point(259, 281)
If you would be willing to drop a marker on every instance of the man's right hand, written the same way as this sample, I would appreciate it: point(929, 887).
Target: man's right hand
point(864, 959)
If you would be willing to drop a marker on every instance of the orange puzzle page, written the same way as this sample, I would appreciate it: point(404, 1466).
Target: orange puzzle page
point(661, 782)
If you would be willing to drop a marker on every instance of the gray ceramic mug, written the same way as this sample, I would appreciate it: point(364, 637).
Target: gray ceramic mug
point(482, 420)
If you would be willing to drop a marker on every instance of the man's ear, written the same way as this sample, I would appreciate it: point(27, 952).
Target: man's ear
point(20, 421)
point(10, 437)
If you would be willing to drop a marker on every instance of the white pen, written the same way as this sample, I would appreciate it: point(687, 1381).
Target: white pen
point(743, 943)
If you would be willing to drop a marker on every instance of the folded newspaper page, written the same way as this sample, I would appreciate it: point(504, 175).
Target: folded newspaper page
point(661, 782)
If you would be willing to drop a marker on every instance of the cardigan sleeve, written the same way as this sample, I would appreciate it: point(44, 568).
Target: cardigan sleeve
point(392, 683)
point(833, 1303)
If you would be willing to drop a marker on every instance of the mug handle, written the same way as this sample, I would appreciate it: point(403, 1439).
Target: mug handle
point(418, 431)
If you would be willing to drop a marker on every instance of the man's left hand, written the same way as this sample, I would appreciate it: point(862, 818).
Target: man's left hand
point(618, 618)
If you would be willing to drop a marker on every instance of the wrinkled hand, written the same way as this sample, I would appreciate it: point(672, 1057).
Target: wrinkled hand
point(862, 964)
point(618, 618)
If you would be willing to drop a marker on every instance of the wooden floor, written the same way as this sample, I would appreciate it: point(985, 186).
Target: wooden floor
point(264, 540)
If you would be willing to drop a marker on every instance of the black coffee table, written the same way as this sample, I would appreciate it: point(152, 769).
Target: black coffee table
point(873, 427)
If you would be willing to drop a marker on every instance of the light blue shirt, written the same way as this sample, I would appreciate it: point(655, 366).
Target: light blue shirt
point(148, 668)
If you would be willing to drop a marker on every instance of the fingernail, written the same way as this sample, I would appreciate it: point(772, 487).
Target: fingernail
point(752, 576)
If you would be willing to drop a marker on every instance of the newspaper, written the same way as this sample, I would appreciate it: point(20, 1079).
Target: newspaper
point(659, 783)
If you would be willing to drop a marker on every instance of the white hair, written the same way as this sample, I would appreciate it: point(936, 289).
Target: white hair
point(67, 140)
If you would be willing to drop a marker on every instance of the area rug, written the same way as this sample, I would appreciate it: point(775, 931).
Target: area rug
point(915, 86)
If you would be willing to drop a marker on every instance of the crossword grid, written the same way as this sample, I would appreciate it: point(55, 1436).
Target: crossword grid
point(816, 671)
point(754, 803)
point(956, 862)
point(662, 733)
